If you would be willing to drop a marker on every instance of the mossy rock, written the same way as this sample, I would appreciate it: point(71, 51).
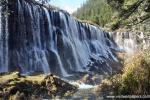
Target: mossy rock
point(13, 85)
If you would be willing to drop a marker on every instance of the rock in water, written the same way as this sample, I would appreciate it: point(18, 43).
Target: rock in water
point(17, 87)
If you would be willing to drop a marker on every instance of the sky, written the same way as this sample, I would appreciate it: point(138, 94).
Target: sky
point(68, 5)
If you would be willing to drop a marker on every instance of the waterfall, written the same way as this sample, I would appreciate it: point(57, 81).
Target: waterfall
point(130, 42)
point(125, 41)
point(41, 39)
point(3, 40)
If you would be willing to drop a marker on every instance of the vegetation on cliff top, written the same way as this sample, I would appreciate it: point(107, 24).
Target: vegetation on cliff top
point(116, 14)
point(98, 11)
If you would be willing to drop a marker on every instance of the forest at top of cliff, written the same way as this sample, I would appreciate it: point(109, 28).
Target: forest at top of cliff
point(115, 14)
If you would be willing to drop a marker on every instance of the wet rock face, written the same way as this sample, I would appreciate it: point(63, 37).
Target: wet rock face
point(13, 86)
point(51, 41)
point(100, 65)
point(131, 42)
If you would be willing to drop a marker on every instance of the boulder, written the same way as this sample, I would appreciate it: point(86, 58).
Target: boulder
point(15, 86)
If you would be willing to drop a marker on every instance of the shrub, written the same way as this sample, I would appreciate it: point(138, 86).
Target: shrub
point(135, 78)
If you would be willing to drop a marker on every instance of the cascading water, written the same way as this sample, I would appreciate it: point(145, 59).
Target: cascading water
point(125, 41)
point(3, 40)
point(52, 41)
point(130, 42)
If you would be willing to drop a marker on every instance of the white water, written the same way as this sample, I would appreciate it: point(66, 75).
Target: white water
point(127, 41)
point(129, 46)
point(62, 70)
point(45, 63)
point(3, 42)
point(83, 85)
point(52, 41)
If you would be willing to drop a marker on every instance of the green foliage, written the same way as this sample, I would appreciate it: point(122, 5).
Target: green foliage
point(131, 12)
point(116, 4)
point(98, 11)
point(115, 14)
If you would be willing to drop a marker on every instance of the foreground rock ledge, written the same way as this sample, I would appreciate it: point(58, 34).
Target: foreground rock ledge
point(14, 86)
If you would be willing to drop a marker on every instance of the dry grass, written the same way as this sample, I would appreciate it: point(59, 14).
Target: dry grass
point(134, 79)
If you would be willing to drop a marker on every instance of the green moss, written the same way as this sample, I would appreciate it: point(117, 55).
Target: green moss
point(36, 86)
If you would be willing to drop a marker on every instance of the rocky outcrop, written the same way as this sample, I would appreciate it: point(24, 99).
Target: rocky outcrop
point(13, 86)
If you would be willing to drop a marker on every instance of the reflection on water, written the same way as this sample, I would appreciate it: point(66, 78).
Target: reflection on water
point(83, 85)
point(87, 94)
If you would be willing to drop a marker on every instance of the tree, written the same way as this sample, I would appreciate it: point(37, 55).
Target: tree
point(116, 4)
point(97, 11)
point(131, 12)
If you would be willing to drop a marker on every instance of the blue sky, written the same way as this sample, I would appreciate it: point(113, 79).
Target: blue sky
point(69, 5)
